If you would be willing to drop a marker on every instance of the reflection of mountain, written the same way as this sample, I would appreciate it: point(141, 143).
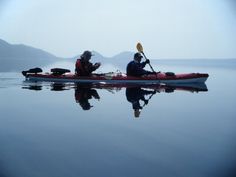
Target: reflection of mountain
point(19, 57)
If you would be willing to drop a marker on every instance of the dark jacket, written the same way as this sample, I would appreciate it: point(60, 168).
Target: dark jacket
point(136, 69)
point(135, 94)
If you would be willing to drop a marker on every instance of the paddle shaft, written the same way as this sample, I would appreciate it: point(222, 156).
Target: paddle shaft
point(148, 63)
point(148, 99)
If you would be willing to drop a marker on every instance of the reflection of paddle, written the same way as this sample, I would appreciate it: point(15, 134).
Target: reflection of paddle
point(140, 49)
point(146, 102)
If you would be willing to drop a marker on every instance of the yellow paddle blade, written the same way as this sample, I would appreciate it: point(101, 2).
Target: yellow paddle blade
point(139, 47)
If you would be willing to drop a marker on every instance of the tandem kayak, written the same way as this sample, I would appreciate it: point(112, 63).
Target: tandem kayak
point(159, 78)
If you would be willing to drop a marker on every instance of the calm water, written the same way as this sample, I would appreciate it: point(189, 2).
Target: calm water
point(51, 130)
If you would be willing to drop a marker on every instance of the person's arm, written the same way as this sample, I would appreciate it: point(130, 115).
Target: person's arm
point(90, 67)
point(143, 64)
point(94, 93)
point(95, 66)
point(139, 71)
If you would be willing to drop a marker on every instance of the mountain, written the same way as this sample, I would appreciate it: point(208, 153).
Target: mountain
point(122, 59)
point(17, 57)
point(97, 57)
point(119, 60)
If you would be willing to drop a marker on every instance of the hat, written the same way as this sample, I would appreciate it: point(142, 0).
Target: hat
point(87, 54)
point(85, 105)
point(137, 55)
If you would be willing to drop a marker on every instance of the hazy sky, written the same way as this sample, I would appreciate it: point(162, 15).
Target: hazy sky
point(166, 28)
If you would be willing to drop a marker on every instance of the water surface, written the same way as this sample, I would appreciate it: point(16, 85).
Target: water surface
point(46, 130)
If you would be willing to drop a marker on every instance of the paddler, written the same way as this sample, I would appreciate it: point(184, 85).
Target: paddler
point(135, 67)
point(83, 67)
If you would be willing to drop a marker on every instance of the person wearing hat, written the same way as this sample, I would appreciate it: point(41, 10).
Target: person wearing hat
point(83, 67)
point(135, 67)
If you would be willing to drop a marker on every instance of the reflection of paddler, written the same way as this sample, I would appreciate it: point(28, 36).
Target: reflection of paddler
point(134, 95)
point(83, 94)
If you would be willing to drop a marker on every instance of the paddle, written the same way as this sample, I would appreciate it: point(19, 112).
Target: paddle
point(153, 93)
point(140, 49)
point(145, 103)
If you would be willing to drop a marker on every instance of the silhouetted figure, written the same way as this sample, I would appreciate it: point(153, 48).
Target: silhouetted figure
point(135, 67)
point(83, 67)
point(83, 95)
point(134, 95)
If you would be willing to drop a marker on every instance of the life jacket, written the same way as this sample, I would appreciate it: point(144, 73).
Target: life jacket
point(78, 64)
point(83, 69)
point(79, 67)
point(77, 96)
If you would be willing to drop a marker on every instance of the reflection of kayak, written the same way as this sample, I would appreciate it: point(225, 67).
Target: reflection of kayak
point(194, 87)
point(60, 86)
point(121, 78)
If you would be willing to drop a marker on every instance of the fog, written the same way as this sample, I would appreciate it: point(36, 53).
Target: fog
point(166, 28)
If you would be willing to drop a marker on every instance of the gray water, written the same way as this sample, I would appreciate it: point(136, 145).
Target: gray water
point(46, 133)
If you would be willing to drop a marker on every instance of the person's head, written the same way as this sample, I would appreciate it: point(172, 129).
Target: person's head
point(137, 108)
point(138, 57)
point(137, 113)
point(86, 55)
point(85, 105)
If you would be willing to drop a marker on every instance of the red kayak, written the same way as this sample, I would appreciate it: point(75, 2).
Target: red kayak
point(121, 78)
point(64, 75)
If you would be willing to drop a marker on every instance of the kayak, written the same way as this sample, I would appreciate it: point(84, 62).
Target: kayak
point(121, 78)
point(64, 75)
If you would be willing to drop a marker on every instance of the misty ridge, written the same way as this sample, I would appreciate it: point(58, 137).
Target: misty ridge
point(18, 57)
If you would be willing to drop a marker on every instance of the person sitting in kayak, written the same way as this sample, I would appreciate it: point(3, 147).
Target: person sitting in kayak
point(83, 67)
point(135, 67)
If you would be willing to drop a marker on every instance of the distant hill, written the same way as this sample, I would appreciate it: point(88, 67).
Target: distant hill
point(97, 57)
point(123, 56)
point(16, 57)
point(119, 60)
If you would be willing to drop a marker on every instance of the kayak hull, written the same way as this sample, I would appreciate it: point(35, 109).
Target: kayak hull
point(119, 78)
